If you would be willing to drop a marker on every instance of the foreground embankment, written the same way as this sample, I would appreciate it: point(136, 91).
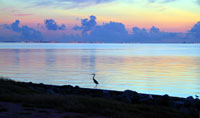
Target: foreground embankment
point(29, 100)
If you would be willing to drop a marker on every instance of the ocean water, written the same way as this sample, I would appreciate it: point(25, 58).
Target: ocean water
point(172, 69)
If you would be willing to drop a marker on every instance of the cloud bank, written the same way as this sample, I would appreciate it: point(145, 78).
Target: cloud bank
point(86, 24)
point(154, 35)
point(195, 31)
point(111, 32)
point(26, 33)
point(50, 24)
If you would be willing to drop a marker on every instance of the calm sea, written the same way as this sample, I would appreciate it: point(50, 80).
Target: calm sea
point(172, 69)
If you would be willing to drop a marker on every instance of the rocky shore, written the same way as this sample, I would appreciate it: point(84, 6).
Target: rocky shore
point(189, 106)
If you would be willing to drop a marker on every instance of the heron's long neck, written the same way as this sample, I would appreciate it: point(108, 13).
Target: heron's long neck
point(93, 76)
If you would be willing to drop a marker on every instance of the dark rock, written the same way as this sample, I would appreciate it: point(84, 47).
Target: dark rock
point(179, 104)
point(106, 94)
point(150, 96)
point(190, 98)
point(57, 90)
point(77, 87)
point(67, 86)
point(40, 89)
point(146, 99)
point(184, 110)
point(123, 98)
point(193, 112)
point(190, 101)
point(197, 103)
point(130, 92)
point(171, 103)
point(187, 105)
point(164, 100)
point(129, 96)
point(166, 96)
point(95, 93)
point(41, 84)
point(50, 91)
point(30, 83)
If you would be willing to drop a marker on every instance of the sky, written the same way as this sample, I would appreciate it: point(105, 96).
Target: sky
point(178, 16)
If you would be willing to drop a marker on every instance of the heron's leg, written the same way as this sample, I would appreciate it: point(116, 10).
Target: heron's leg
point(95, 86)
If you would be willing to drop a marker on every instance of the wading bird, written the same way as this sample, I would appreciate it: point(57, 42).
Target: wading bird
point(95, 81)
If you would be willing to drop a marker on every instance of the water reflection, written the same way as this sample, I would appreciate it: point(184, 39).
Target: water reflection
point(174, 75)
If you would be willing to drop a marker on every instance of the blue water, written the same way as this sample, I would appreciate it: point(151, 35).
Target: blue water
point(172, 69)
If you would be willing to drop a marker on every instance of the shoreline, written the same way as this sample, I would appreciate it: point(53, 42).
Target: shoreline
point(187, 106)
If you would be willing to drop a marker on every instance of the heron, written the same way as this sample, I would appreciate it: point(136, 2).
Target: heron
point(94, 80)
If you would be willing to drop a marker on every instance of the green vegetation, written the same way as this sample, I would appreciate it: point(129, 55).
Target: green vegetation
point(23, 93)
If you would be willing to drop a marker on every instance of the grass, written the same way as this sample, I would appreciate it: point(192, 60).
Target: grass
point(12, 91)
